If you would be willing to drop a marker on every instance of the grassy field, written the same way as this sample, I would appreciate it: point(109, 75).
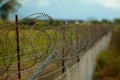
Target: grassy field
point(36, 43)
point(35, 46)
point(108, 62)
point(32, 42)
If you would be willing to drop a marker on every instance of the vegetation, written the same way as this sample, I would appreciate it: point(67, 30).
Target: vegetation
point(37, 41)
point(108, 62)
point(117, 21)
point(7, 7)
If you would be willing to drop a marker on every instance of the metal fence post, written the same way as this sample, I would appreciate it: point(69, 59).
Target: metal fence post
point(63, 54)
point(18, 46)
point(77, 44)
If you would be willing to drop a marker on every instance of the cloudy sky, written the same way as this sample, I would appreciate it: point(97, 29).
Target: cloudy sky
point(72, 9)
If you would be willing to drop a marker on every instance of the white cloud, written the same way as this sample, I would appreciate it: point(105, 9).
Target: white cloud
point(43, 3)
point(40, 3)
point(112, 4)
point(23, 2)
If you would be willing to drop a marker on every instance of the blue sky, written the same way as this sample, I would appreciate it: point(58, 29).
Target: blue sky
point(72, 9)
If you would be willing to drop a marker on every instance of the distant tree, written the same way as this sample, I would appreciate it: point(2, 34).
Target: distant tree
point(116, 21)
point(57, 22)
point(94, 21)
point(105, 21)
point(7, 7)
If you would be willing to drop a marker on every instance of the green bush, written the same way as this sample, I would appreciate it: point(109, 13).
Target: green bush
point(108, 62)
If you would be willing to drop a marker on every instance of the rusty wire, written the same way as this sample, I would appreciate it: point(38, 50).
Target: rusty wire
point(38, 38)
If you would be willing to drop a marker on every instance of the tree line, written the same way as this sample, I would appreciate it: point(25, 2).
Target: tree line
point(8, 7)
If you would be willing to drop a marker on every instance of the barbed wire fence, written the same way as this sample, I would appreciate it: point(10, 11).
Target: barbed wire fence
point(35, 49)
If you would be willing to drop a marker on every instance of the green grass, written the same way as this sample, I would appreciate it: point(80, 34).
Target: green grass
point(33, 42)
point(108, 62)
point(36, 41)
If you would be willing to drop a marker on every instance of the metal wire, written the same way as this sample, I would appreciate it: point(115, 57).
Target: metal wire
point(38, 39)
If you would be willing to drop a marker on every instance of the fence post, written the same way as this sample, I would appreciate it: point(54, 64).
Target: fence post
point(77, 44)
point(18, 46)
point(63, 53)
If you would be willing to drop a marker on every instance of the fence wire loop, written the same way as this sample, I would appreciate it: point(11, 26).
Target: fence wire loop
point(39, 37)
